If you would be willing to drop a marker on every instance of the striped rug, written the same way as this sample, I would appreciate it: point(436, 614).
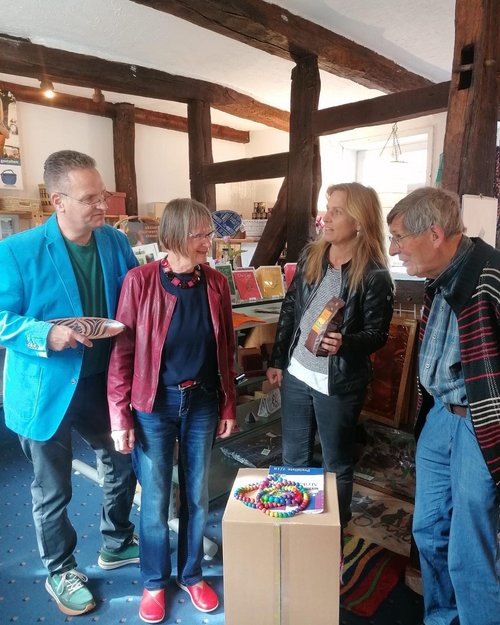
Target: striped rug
point(370, 573)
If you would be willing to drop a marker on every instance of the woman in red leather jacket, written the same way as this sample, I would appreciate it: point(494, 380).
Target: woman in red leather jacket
point(171, 378)
point(325, 394)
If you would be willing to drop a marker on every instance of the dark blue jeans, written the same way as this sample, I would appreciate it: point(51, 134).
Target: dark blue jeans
point(190, 417)
point(305, 411)
point(51, 488)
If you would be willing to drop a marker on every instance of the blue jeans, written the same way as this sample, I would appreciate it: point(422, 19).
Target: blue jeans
point(305, 410)
point(455, 524)
point(190, 417)
point(51, 488)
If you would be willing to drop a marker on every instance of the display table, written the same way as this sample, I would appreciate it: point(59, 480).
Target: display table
point(281, 571)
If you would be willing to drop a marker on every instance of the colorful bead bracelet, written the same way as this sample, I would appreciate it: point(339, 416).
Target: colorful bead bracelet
point(275, 492)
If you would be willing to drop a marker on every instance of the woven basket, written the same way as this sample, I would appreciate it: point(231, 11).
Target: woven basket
point(139, 230)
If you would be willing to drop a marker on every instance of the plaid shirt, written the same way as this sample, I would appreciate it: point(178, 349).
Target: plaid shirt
point(440, 369)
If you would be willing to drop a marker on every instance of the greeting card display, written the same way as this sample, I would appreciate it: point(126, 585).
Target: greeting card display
point(270, 280)
point(225, 268)
point(246, 284)
point(289, 271)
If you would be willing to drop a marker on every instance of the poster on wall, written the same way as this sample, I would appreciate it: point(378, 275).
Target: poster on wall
point(10, 154)
point(479, 214)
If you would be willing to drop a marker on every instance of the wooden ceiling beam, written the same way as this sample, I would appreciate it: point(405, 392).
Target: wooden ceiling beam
point(22, 58)
point(78, 104)
point(275, 30)
point(382, 110)
point(257, 168)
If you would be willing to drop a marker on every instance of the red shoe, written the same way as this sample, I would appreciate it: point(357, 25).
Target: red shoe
point(203, 597)
point(152, 607)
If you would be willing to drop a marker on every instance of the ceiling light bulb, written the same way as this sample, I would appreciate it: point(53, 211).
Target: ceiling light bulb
point(48, 88)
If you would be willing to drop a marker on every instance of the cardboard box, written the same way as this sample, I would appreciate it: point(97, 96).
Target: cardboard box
point(281, 571)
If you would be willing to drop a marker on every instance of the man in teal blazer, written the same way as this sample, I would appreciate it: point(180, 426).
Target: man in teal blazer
point(55, 378)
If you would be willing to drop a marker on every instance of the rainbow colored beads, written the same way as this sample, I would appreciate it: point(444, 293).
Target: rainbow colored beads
point(275, 492)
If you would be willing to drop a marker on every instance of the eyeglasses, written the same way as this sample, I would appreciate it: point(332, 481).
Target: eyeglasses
point(397, 240)
point(203, 235)
point(102, 199)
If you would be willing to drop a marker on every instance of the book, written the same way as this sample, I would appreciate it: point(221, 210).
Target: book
point(270, 280)
point(313, 478)
point(246, 284)
point(225, 268)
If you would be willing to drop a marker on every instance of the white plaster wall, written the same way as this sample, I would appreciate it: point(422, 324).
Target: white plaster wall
point(162, 166)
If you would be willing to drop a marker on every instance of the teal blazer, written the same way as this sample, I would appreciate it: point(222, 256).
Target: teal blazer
point(37, 283)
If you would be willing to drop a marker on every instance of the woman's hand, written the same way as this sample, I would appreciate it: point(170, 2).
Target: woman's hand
point(274, 375)
point(227, 427)
point(332, 342)
point(124, 440)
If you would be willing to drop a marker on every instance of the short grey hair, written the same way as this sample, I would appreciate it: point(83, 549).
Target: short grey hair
point(180, 217)
point(59, 164)
point(429, 206)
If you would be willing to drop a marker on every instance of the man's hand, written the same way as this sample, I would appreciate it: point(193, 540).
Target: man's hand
point(62, 337)
point(124, 440)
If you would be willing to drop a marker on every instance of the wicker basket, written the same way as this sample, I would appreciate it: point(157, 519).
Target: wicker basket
point(44, 197)
point(139, 230)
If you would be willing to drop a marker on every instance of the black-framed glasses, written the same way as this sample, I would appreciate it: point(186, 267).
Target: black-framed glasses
point(203, 235)
point(397, 240)
point(102, 199)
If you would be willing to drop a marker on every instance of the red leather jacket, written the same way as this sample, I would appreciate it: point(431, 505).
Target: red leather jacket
point(146, 309)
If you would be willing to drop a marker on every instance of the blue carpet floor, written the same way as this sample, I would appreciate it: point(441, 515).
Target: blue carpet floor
point(24, 600)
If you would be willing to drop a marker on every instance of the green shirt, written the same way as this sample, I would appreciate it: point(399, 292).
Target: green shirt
point(88, 273)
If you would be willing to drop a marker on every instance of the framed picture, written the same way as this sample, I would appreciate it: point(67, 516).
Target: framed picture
point(9, 224)
point(389, 393)
point(146, 253)
point(270, 280)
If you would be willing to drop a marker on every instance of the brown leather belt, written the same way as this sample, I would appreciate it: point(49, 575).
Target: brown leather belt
point(184, 386)
point(460, 411)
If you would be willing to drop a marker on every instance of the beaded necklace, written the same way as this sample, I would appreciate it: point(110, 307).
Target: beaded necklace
point(176, 281)
point(275, 492)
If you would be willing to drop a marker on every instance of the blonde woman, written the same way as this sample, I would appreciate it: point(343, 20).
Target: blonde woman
point(326, 394)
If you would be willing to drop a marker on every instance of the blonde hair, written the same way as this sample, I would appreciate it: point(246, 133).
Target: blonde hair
point(180, 217)
point(363, 205)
